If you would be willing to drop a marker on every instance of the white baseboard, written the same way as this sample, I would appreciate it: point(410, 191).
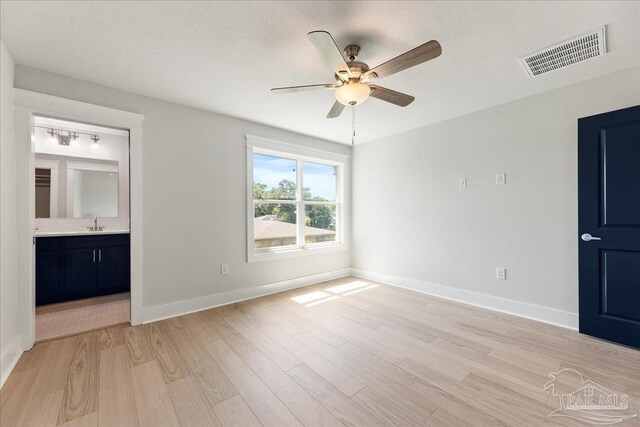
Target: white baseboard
point(9, 358)
point(159, 312)
point(553, 316)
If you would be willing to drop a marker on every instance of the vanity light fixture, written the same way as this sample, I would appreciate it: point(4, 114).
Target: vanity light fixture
point(67, 137)
point(62, 137)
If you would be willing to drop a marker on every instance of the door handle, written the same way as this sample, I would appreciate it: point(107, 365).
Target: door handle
point(588, 237)
point(99, 255)
point(94, 255)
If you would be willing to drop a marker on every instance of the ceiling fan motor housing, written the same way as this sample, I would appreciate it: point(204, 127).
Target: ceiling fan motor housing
point(357, 68)
point(351, 52)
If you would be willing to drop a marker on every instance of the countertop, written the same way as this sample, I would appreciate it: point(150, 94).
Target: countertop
point(78, 233)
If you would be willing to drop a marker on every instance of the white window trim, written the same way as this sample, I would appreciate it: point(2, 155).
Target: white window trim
point(261, 145)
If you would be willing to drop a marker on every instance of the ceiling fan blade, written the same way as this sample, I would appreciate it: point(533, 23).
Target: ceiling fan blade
point(397, 98)
point(292, 89)
point(418, 55)
point(323, 41)
point(335, 111)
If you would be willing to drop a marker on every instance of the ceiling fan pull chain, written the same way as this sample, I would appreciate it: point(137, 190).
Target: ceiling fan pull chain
point(353, 125)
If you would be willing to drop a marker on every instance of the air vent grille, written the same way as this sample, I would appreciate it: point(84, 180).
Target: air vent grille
point(568, 52)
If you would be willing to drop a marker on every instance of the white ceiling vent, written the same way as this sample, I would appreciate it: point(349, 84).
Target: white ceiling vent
point(568, 52)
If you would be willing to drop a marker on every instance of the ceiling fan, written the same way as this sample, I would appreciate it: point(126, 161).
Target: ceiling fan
point(353, 79)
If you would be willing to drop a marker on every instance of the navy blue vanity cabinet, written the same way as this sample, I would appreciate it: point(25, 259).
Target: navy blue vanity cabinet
point(80, 271)
point(48, 271)
point(113, 267)
point(86, 266)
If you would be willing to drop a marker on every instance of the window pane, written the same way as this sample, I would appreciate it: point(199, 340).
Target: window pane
point(274, 224)
point(320, 182)
point(320, 223)
point(274, 178)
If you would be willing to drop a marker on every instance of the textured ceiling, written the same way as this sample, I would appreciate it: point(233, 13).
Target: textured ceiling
point(224, 56)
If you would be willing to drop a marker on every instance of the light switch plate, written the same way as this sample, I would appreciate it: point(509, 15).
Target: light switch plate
point(224, 269)
point(501, 273)
point(463, 182)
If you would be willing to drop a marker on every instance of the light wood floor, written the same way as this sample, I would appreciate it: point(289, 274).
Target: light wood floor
point(347, 352)
point(70, 318)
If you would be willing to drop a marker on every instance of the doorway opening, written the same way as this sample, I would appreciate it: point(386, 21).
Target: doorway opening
point(81, 227)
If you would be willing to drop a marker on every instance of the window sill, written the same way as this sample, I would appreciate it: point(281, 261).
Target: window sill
point(276, 254)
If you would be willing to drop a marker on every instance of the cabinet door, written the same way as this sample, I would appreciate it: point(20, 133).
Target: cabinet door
point(81, 265)
point(47, 276)
point(113, 268)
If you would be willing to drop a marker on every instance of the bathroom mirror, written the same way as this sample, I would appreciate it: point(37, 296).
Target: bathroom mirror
point(95, 193)
point(75, 187)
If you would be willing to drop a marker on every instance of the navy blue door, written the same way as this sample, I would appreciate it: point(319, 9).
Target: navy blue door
point(609, 225)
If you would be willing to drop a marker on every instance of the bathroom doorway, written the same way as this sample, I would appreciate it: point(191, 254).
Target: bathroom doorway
point(29, 106)
point(81, 227)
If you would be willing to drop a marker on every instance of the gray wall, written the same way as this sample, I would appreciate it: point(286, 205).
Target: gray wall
point(8, 261)
point(411, 220)
point(194, 194)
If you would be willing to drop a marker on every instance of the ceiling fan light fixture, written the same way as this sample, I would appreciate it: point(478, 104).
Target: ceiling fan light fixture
point(353, 93)
point(352, 78)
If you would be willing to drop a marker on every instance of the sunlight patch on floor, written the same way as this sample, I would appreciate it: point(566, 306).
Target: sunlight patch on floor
point(321, 301)
point(318, 297)
point(347, 287)
point(311, 296)
point(359, 290)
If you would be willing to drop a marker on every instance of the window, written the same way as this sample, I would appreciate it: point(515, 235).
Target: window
point(319, 198)
point(294, 199)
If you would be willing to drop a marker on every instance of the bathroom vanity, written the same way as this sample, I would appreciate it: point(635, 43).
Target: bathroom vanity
point(74, 265)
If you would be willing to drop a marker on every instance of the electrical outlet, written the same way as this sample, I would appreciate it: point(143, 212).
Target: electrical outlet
point(224, 269)
point(463, 182)
point(501, 273)
point(501, 178)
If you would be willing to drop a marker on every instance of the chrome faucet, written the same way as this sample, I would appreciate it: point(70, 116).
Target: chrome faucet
point(95, 225)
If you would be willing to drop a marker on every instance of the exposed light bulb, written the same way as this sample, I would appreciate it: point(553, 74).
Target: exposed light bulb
point(52, 136)
point(352, 93)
